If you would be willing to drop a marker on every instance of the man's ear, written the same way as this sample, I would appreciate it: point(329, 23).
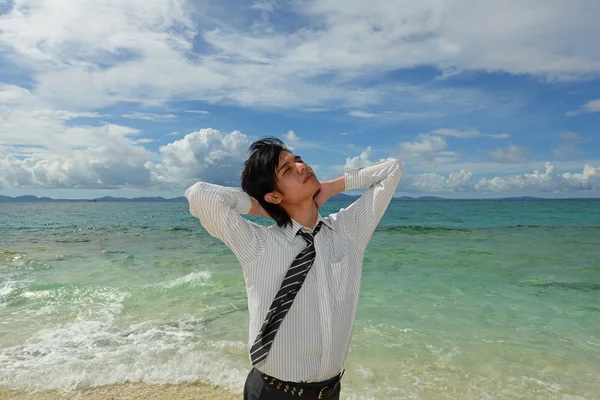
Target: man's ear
point(273, 198)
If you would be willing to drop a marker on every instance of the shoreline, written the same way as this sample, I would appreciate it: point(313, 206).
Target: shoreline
point(127, 390)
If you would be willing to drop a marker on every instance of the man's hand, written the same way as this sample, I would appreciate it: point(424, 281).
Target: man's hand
point(257, 210)
point(329, 189)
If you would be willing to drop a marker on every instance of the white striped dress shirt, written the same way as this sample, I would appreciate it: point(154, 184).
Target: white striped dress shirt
point(312, 342)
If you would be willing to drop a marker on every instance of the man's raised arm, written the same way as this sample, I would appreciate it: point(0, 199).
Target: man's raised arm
point(360, 219)
point(219, 210)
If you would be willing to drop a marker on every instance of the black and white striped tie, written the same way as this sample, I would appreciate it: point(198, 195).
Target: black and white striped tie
point(285, 297)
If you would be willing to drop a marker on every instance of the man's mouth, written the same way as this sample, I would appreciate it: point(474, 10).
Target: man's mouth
point(308, 177)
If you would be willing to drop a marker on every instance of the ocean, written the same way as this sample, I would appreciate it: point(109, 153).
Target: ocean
point(459, 300)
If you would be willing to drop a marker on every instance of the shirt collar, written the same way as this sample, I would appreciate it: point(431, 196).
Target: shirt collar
point(291, 231)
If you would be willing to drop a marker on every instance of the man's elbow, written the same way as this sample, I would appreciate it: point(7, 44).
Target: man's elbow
point(193, 190)
point(193, 195)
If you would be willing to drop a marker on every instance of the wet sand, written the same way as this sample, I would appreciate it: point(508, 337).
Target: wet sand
point(137, 391)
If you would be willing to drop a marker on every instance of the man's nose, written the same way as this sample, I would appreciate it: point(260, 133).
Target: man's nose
point(301, 168)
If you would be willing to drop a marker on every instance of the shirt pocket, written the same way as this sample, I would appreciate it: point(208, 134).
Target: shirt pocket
point(340, 270)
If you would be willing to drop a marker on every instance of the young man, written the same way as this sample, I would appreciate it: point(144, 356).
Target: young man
point(303, 273)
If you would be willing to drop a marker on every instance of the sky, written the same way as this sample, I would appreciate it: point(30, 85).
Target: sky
point(145, 97)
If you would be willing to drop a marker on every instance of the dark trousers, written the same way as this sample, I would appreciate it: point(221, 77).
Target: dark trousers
point(256, 388)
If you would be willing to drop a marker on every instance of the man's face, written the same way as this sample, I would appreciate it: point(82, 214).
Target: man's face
point(296, 181)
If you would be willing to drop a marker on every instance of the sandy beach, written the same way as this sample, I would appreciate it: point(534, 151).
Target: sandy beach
point(182, 391)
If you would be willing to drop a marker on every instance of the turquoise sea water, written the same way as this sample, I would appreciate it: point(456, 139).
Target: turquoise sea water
point(459, 300)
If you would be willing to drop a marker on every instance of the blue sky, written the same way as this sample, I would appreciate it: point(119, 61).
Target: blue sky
point(148, 96)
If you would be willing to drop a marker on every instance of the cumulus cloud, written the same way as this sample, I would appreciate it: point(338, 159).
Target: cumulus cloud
point(436, 183)
point(546, 180)
point(592, 106)
point(361, 160)
point(427, 149)
point(425, 145)
point(207, 155)
point(112, 156)
point(110, 159)
point(510, 155)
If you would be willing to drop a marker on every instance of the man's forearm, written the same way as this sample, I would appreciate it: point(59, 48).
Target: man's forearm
point(338, 185)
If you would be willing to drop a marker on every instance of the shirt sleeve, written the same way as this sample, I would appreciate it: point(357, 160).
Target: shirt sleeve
point(219, 210)
point(380, 180)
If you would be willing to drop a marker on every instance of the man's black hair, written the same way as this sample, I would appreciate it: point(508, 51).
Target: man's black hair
point(259, 176)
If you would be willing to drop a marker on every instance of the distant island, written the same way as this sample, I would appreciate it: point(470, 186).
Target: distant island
point(181, 199)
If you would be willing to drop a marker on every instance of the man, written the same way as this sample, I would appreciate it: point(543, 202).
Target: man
point(303, 273)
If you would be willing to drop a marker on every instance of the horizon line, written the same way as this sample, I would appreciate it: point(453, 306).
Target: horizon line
point(402, 197)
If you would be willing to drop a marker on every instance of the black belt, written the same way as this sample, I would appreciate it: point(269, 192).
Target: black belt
point(294, 388)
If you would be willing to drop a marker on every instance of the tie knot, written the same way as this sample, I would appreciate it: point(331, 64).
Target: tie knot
point(307, 236)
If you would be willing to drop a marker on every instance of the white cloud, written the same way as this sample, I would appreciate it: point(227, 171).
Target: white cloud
point(592, 106)
point(459, 35)
point(149, 51)
point(78, 157)
point(51, 129)
point(202, 112)
point(206, 155)
point(13, 95)
point(425, 144)
point(510, 155)
point(492, 168)
point(547, 180)
point(362, 114)
point(291, 137)
point(436, 183)
point(149, 116)
point(41, 148)
point(110, 156)
point(154, 51)
point(432, 147)
point(572, 137)
point(539, 181)
point(173, 134)
point(468, 134)
point(361, 160)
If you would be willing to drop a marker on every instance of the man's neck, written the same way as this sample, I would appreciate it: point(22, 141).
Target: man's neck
point(305, 214)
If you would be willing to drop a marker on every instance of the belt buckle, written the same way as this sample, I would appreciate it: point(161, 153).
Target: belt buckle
point(322, 393)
